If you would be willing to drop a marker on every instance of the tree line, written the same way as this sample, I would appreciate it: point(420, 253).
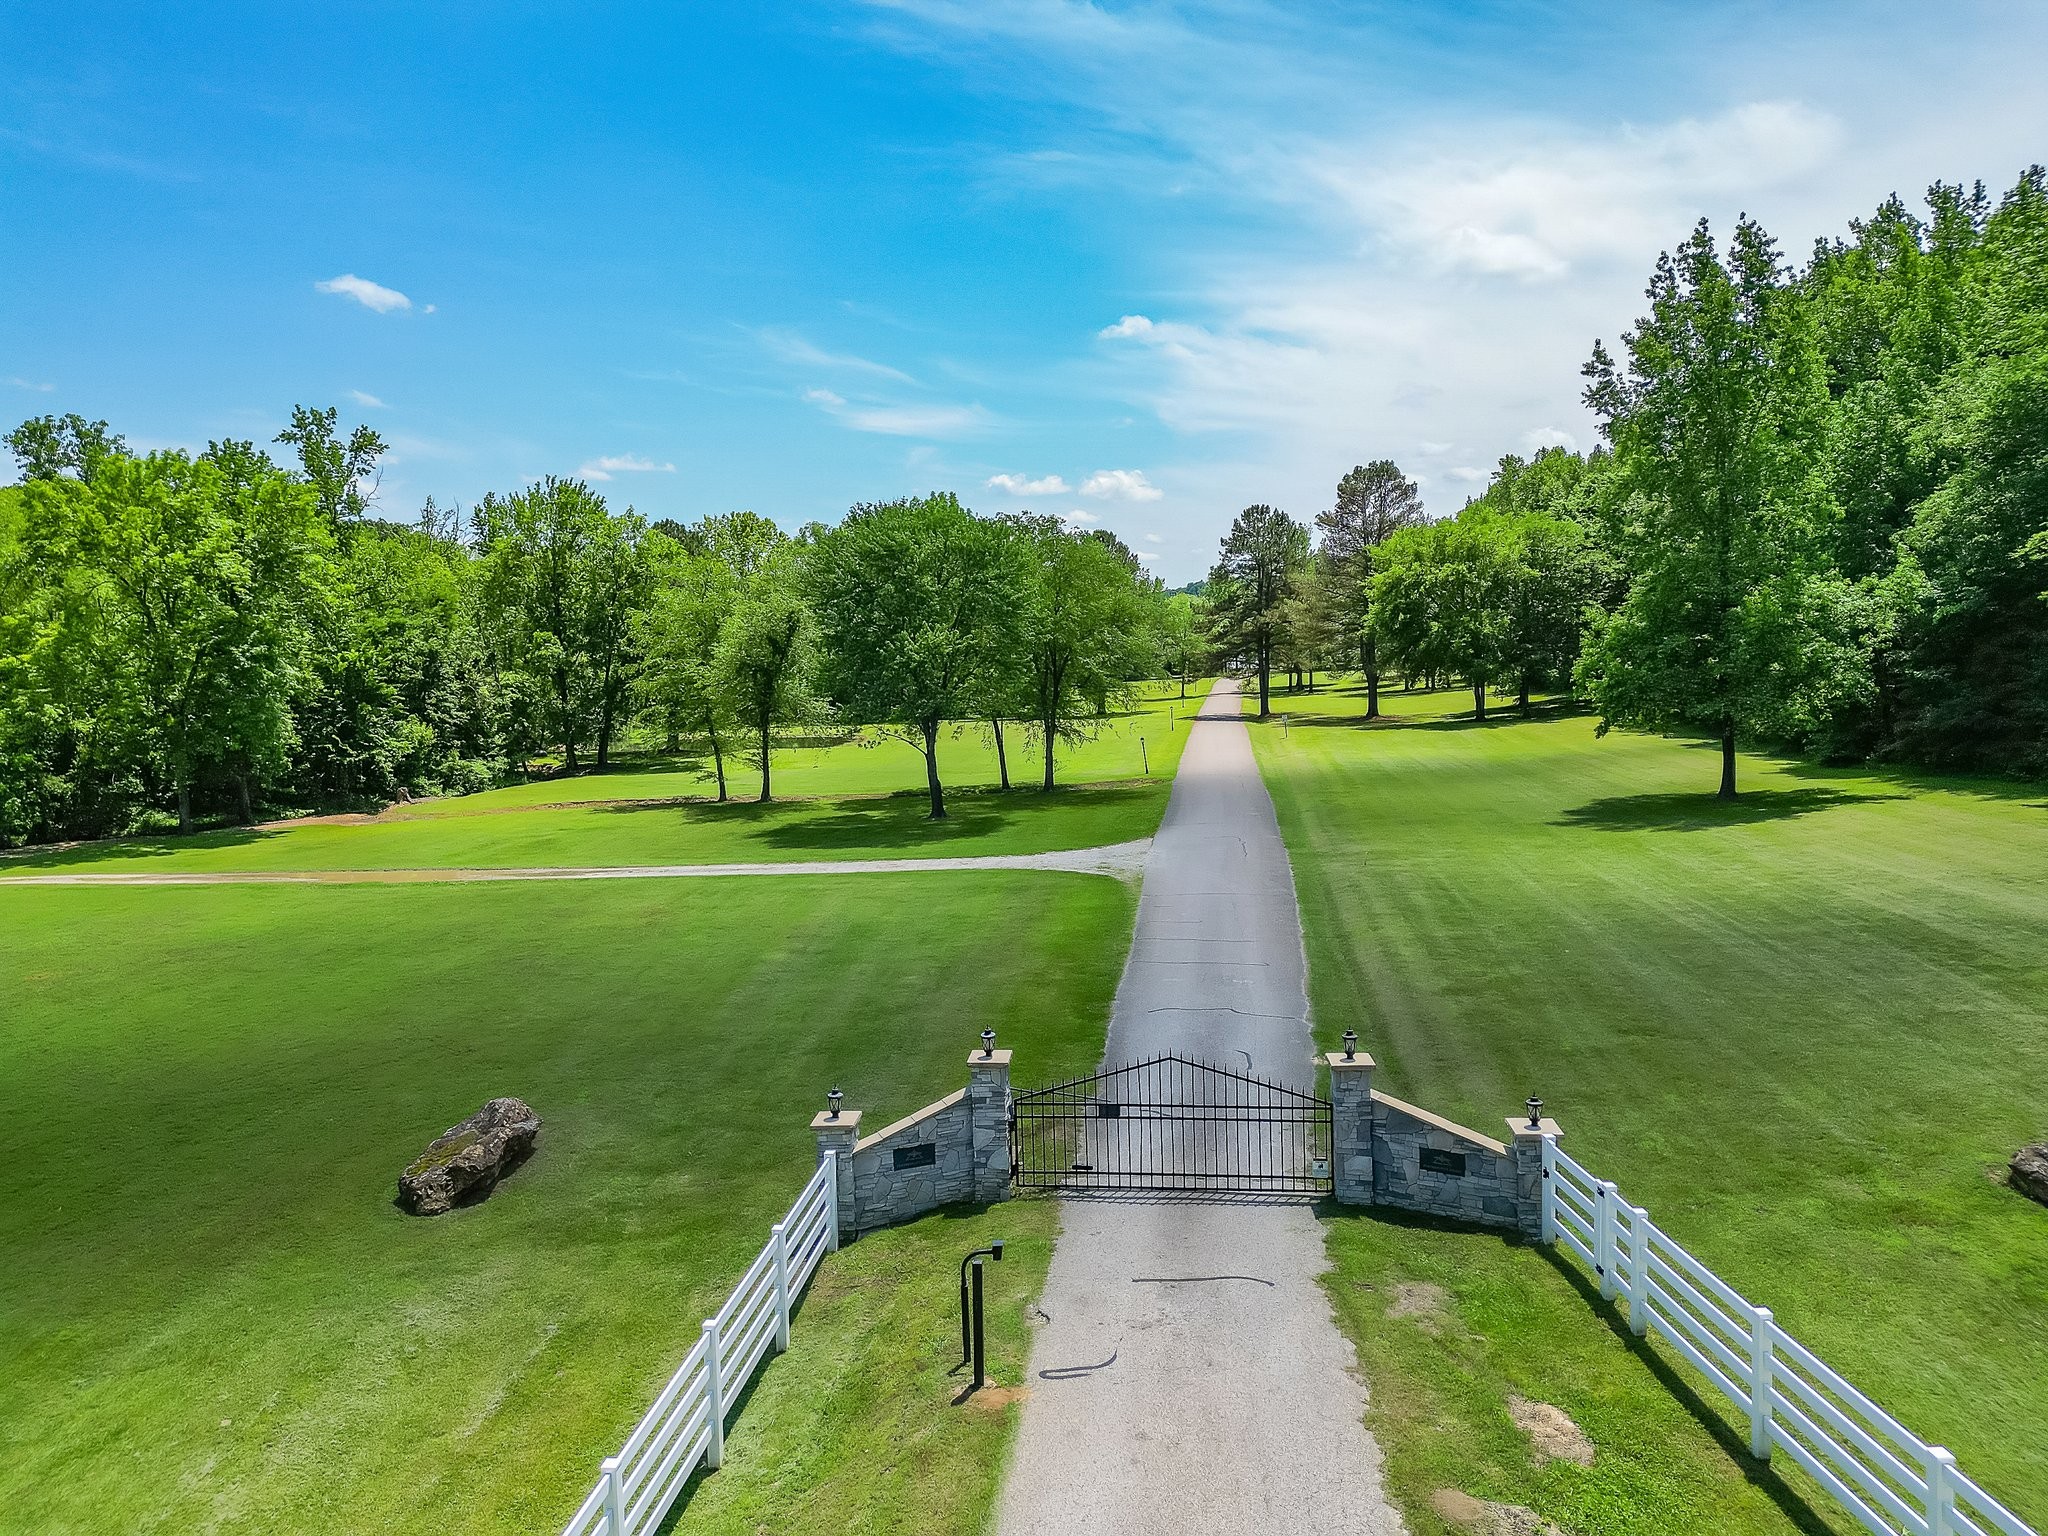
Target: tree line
point(1819, 520)
point(189, 637)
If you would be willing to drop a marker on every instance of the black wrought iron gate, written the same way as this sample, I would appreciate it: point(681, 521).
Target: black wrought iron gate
point(1174, 1124)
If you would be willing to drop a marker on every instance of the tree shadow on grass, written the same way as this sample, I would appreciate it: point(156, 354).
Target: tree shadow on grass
point(1978, 786)
point(152, 846)
point(1498, 717)
point(1705, 812)
point(897, 823)
point(888, 823)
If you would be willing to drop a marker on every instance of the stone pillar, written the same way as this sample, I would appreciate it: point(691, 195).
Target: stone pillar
point(988, 1094)
point(1527, 1142)
point(839, 1135)
point(1350, 1127)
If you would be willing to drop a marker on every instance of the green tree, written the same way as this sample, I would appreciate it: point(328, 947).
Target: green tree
point(562, 581)
point(1085, 627)
point(679, 635)
point(1734, 619)
point(918, 601)
point(1442, 601)
point(1314, 629)
point(191, 583)
point(1374, 501)
point(1551, 580)
point(48, 447)
point(1181, 642)
point(337, 468)
point(1962, 658)
point(1249, 585)
point(767, 654)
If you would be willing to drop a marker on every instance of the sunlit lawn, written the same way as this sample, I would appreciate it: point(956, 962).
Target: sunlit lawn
point(858, 799)
point(1805, 1030)
point(216, 1319)
point(1147, 736)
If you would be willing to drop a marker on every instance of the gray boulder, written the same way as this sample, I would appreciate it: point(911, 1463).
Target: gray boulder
point(2029, 1171)
point(465, 1162)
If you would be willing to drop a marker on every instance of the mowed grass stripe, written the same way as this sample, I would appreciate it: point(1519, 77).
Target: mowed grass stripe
point(1806, 1031)
point(212, 1090)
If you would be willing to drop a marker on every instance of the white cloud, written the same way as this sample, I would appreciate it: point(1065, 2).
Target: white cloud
point(1025, 485)
point(1121, 485)
point(607, 466)
point(21, 383)
point(902, 420)
point(430, 309)
point(1077, 516)
point(366, 293)
point(362, 397)
point(1153, 538)
point(1344, 217)
point(1539, 203)
point(791, 347)
point(1538, 438)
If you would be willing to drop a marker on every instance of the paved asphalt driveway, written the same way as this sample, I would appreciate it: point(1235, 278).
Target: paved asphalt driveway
point(1190, 1375)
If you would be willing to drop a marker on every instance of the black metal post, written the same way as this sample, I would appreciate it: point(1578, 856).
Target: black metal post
point(966, 1346)
point(980, 1352)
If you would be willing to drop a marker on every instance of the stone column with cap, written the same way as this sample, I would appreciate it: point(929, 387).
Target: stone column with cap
point(1526, 1137)
point(1350, 1127)
point(988, 1091)
point(839, 1133)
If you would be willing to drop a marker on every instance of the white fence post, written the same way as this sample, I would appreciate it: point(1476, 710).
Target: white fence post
point(781, 1235)
point(1762, 1350)
point(614, 1497)
point(1603, 1238)
point(1638, 1270)
point(832, 1202)
point(714, 1397)
point(1550, 1190)
point(1941, 1492)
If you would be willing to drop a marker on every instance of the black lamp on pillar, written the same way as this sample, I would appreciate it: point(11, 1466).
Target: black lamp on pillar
point(833, 1099)
point(1535, 1108)
point(988, 1042)
point(1350, 1044)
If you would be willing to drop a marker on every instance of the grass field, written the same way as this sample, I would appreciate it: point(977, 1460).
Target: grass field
point(216, 1318)
point(1806, 1030)
point(866, 800)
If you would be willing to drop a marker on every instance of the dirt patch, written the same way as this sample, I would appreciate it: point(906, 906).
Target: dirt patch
point(990, 1399)
point(1425, 1304)
point(1483, 1517)
point(1552, 1434)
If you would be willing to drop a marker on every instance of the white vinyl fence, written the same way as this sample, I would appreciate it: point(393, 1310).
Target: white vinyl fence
point(1893, 1482)
point(686, 1425)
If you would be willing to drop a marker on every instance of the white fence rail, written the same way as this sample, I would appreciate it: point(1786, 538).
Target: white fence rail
point(1890, 1480)
point(686, 1425)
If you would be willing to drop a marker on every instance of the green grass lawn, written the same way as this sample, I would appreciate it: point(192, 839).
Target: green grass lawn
point(1144, 737)
point(215, 1317)
point(868, 801)
point(890, 827)
point(1805, 1030)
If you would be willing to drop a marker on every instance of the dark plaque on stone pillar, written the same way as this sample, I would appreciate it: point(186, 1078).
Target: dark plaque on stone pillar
point(1435, 1160)
point(917, 1157)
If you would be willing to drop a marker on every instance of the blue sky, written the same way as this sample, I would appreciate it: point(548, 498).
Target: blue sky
point(1139, 265)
